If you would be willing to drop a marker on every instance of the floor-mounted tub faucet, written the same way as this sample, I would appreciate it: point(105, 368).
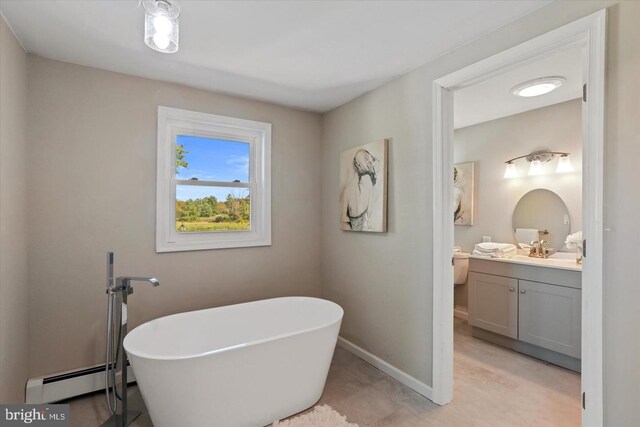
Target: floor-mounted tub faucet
point(116, 357)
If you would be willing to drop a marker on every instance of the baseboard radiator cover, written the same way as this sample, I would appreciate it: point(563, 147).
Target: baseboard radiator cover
point(64, 385)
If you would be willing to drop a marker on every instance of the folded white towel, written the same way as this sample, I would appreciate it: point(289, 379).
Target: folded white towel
point(475, 253)
point(494, 247)
point(508, 254)
point(495, 250)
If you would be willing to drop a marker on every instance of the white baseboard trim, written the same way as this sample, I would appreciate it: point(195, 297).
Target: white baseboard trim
point(387, 368)
point(460, 312)
point(63, 385)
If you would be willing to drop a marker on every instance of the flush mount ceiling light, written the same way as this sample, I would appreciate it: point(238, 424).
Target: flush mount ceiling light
point(538, 87)
point(161, 25)
point(536, 159)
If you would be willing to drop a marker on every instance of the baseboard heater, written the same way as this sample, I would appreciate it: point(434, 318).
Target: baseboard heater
point(64, 385)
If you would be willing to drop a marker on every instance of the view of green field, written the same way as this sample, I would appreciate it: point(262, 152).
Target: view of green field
point(208, 214)
point(211, 208)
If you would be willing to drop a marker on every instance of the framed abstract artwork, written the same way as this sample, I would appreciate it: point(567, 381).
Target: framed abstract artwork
point(363, 187)
point(463, 193)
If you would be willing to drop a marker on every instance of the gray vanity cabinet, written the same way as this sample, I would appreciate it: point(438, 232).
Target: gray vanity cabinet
point(531, 309)
point(493, 303)
point(549, 317)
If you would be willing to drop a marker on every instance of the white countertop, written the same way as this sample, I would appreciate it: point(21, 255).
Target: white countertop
point(556, 260)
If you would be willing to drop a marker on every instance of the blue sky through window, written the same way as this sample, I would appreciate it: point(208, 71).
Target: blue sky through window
point(212, 160)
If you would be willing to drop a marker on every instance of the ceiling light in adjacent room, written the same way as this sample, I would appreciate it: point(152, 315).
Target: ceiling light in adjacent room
point(161, 25)
point(538, 87)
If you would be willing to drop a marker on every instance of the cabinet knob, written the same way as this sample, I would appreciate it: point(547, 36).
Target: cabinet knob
point(512, 289)
point(523, 291)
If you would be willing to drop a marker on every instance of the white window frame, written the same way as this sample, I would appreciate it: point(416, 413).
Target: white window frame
point(173, 122)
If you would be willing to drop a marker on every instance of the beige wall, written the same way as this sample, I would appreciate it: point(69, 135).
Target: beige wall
point(383, 281)
point(490, 144)
point(92, 167)
point(14, 291)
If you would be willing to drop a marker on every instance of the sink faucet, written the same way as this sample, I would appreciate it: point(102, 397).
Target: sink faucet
point(543, 249)
point(539, 249)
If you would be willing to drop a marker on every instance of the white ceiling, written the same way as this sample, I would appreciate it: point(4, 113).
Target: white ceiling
point(492, 98)
point(313, 55)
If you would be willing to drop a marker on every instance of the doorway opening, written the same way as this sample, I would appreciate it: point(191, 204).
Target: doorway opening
point(589, 35)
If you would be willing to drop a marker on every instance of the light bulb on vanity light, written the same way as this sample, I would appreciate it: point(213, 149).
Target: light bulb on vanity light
point(564, 164)
point(535, 168)
point(511, 171)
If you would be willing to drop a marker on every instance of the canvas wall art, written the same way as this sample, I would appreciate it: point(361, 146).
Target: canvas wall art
point(463, 193)
point(363, 187)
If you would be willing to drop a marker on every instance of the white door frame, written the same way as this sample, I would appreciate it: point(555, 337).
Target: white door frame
point(592, 30)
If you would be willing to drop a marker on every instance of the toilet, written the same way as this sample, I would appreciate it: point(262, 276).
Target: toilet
point(460, 266)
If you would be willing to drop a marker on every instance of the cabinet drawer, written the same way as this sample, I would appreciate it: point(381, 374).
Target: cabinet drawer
point(493, 303)
point(550, 316)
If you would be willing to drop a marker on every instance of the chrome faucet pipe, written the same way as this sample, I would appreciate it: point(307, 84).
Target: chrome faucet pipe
point(112, 397)
point(109, 270)
point(126, 280)
point(117, 294)
point(123, 283)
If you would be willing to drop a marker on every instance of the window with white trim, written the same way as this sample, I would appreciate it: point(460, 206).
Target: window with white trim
point(213, 183)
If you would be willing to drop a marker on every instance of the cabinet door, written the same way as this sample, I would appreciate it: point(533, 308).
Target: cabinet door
point(493, 303)
point(550, 317)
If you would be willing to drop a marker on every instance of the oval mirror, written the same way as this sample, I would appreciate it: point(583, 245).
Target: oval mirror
point(541, 210)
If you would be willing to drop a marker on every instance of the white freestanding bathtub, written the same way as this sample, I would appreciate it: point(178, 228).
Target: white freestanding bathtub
point(240, 365)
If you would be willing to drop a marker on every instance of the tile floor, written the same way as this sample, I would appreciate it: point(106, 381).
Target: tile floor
point(493, 387)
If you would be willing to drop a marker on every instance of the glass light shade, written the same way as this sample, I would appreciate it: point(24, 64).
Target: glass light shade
point(535, 168)
point(161, 27)
point(537, 90)
point(564, 165)
point(510, 171)
point(538, 87)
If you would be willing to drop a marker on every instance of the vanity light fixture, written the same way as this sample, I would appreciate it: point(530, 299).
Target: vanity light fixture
point(536, 160)
point(161, 25)
point(538, 87)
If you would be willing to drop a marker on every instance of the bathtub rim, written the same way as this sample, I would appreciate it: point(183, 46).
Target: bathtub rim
point(148, 356)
